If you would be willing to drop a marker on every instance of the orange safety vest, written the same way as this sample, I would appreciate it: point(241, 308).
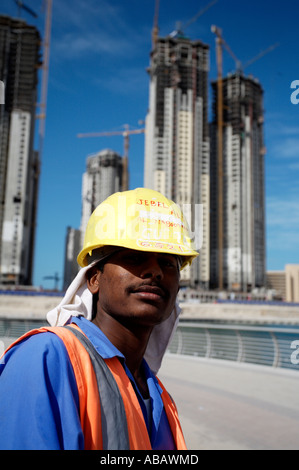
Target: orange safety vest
point(110, 414)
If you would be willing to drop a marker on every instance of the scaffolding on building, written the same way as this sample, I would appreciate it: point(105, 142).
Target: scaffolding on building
point(19, 63)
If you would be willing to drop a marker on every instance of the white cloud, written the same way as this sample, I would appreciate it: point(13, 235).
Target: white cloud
point(294, 166)
point(93, 27)
point(74, 45)
point(126, 81)
point(282, 134)
point(83, 15)
point(283, 213)
point(287, 147)
point(289, 130)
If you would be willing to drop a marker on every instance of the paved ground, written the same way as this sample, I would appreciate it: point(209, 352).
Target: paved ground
point(225, 405)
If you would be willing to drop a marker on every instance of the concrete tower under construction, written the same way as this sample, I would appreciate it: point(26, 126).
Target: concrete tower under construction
point(238, 245)
point(177, 136)
point(19, 163)
point(103, 177)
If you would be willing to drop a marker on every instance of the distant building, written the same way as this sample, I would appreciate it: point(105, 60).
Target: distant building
point(292, 282)
point(72, 248)
point(19, 162)
point(103, 177)
point(240, 239)
point(177, 148)
point(276, 281)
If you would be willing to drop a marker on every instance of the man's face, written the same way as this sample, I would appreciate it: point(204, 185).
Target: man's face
point(138, 287)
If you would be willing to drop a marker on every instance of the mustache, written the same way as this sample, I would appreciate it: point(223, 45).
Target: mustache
point(150, 286)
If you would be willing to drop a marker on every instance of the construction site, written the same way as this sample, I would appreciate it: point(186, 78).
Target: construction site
point(219, 165)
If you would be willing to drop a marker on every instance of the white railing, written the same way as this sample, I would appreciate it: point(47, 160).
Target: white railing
point(264, 345)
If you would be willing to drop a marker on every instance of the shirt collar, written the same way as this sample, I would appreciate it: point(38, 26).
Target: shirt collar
point(98, 339)
point(105, 348)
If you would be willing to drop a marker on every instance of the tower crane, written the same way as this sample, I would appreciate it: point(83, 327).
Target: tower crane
point(45, 75)
point(45, 65)
point(126, 135)
point(220, 43)
point(55, 278)
point(43, 99)
point(44, 89)
point(155, 30)
point(181, 28)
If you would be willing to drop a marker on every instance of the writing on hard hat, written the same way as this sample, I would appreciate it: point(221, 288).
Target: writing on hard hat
point(139, 219)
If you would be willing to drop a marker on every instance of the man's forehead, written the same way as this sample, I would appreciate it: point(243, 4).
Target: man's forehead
point(146, 254)
point(129, 251)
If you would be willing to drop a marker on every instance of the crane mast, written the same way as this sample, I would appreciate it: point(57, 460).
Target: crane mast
point(219, 45)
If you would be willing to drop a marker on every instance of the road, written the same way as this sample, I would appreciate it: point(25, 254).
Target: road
point(229, 406)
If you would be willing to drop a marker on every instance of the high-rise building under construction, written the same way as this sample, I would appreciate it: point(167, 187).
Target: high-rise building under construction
point(177, 135)
point(238, 210)
point(19, 162)
point(103, 177)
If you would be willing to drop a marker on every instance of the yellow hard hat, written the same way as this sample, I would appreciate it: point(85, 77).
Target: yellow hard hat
point(140, 219)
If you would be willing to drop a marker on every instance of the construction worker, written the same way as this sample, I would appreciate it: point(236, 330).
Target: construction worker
point(89, 380)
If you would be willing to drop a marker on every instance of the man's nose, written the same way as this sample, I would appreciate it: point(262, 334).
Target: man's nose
point(152, 268)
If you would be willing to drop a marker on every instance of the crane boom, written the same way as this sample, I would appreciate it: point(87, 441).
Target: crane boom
point(45, 75)
point(101, 134)
point(239, 66)
point(21, 5)
point(260, 55)
point(199, 13)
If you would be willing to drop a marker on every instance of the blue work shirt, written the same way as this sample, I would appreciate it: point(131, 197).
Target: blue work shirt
point(39, 403)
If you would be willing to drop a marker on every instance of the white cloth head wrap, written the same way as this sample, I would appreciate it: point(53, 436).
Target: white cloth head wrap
point(78, 302)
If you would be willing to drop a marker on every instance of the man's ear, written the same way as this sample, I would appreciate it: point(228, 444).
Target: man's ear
point(93, 280)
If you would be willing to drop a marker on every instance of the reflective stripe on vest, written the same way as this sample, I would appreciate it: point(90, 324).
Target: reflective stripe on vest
point(102, 417)
point(113, 416)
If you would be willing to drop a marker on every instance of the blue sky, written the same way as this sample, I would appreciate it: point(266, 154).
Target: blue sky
point(98, 82)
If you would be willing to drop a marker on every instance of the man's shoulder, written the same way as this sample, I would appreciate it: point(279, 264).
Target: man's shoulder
point(37, 346)
point(41, 337)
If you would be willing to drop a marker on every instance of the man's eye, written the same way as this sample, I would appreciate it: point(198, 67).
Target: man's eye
point(169, 263)
point(134, 259)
